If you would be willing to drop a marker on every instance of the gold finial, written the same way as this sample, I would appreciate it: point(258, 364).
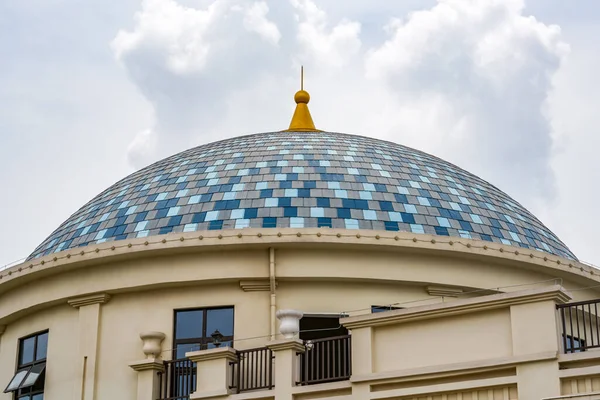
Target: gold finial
point(302, 121)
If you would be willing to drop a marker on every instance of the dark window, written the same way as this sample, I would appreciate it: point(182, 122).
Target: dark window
point(376, 309)
point(574, 344)
point(28, 381)
point(193, 329)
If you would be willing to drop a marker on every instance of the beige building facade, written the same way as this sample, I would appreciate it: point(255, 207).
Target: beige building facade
point(470, 320)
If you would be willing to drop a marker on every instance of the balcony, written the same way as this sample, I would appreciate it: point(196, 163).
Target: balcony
point(580, 326)
point(318, 361)
point(530, 344)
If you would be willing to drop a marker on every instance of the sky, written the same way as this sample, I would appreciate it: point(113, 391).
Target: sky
point(91, 92)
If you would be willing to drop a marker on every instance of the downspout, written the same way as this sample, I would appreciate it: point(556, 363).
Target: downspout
point(272, 284)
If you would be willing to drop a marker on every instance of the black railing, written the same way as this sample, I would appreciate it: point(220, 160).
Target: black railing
point(178, 379)
point(326, 360)
point(580, 325)
point(253, 370)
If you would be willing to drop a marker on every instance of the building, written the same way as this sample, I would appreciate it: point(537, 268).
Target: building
point(300, 264)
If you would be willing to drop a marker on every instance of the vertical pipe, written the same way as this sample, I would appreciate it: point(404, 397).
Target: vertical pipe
point(597, 326)
point(272, 285)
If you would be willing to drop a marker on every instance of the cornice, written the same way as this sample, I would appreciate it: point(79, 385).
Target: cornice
point(100, 298)
point(443, 291)
point(253, 237)
point(262, 285)
point(476, 304)
point(286, 344)
point(221, 353)
point(152, 364)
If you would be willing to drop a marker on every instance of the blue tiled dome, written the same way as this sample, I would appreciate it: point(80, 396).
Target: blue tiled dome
point(303, 179)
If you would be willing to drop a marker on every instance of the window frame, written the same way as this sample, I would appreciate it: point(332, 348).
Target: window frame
point(377, 309)
point(29, 390)
point(206, 339)
point(581, 342)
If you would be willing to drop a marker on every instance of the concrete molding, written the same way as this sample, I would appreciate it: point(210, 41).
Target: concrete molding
point(578, 357)
point(442, 371)
point(443, 291)
point(109, 251)
point(463, 306)
point(579, 372)
point(581, 396)
point(227, 353)
point(100, 298)
point(210, 395)
point(445, 387)
point(322, 387)
point(263, 285)
point(153, 364)
point(286, 344)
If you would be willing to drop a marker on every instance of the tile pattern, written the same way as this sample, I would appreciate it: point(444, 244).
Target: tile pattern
point(303, 179)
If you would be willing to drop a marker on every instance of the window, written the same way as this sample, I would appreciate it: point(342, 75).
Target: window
point(376, 309)
point(574, 344)
point(193, 329)
point(28, 381)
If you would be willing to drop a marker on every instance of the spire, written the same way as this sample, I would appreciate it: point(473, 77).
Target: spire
point(302, 121)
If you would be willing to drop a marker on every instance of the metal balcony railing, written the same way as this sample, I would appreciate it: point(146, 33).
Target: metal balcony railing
point(326, 360)
point(253, 370)
point(178, 379)
point(580, 325)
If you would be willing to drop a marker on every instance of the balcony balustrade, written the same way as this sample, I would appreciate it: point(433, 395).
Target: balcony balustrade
point(326, 360)
point(580, 325)
point(253, 370)
point(177, 380)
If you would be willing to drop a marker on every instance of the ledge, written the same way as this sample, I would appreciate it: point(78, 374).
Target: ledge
point(593, 355)
point(425, 391)
point(286, 344)
point(153, 364)
point(477, 304)
point(262, 285)
point(210, 395)
point(322, 387)
point(204, 240)
point(89, 300)
point(441, 371)
point(226, 353)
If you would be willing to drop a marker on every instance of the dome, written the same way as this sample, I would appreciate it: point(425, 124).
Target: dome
point(302, 180)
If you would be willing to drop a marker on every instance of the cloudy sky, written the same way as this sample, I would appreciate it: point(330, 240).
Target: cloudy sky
point(91, 91)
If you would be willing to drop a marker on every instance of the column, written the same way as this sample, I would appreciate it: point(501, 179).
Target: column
point(213, 372)
point(362, 346)
point(534, 333)
point(89, 322)
point(286, 366)
point(150, 369)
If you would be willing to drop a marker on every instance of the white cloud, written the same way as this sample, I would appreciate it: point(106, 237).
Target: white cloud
point(255, 20)
point(471, 79)
point(334, 47)
point(188, 62)
point(141, 150)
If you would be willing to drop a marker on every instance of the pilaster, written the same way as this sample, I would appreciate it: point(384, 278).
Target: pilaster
point(213, 372)
point(286, 366)
point(89, 323)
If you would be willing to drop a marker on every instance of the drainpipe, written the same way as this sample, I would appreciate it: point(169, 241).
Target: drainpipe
point(272, 290)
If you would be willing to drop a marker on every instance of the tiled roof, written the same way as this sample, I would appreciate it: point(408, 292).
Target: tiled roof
point(303, 179)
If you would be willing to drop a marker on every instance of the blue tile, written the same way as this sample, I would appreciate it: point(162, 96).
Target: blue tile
point(215, 225)
point(290, 212)
point(269, 222)
point(324, 222)
point(323, 202)
point(391, 226)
